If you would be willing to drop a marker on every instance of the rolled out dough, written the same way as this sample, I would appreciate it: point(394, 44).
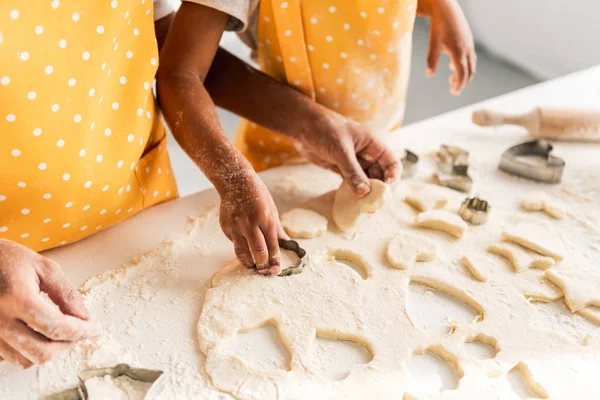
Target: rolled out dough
point(407, 248)
point(301, 223)
point(330, 299)
point(537, 236)
point(347, 208)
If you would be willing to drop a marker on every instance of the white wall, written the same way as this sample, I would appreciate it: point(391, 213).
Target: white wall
point(548, 38)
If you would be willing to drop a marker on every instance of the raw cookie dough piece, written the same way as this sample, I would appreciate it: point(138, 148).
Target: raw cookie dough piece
point(540, 201)
point(476, 266)
point(347, 208)
point(426, 199)
point(536, 236)
point(580, 283)
point(443, 221)
point(407, 248)
point(520, 258)
point(300, 223)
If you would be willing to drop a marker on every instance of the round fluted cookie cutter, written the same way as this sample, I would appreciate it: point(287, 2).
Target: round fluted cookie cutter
point(474, 210)
point(293, 246)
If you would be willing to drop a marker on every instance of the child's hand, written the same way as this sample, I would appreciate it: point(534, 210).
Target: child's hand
point(249, 218)
point(450, 32)
point(351, 150)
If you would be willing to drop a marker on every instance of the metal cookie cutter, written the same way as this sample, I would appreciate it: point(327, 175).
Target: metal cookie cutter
point(453, 168)
point(80, 392)
point(291, 245)
point(474, 210)
point(409, 164)
point(532, 160)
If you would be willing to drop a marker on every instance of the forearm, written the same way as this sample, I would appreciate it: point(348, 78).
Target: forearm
point(245, 91)
point(161, 27)
point(426, 8)
point(193, 119)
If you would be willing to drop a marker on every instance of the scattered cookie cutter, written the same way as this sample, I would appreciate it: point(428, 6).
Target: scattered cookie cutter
point(542, 166)
point(80, 392)
point(409, 164)
point(453, 167)
point(474, 210)
point(291, 245)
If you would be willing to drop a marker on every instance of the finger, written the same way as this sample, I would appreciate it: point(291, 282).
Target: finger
point(353, 174)
point(375, 172)
point(271, 235)
point(44, 318)
point(33, 346)
point(472, 59)
point(54, 283)
point(12, 356)
point(433, 56)
point(242, 251)
point(258, 248)
point(461, 67)
point(392, 168)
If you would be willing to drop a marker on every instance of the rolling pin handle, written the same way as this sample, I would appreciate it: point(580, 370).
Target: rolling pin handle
point(492, 118)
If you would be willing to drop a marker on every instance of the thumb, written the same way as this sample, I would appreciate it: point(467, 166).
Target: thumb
point(353, 174)
point(433, 56)
point(54, 283)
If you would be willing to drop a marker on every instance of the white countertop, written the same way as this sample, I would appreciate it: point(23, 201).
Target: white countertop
point(115, 246)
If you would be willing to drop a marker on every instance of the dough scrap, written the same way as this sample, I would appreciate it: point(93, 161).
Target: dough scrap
point(348, 209)
point(301, 223)
point(443, 221)
point(540, 201)
point(407, 248)
point(426, 199)
point(476, 266)
point(538, 237)
point(521, 258)
point(579, 281)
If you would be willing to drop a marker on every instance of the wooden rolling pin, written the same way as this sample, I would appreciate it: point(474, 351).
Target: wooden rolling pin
point(572, 125)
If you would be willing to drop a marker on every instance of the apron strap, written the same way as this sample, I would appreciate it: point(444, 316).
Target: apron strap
point(290, 34)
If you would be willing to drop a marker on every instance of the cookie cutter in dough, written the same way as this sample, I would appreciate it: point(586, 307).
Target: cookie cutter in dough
point(453, 167)
point(532, 160)
point(80, 392)
point(409, 164)
point(474, 210)
point(291, 245)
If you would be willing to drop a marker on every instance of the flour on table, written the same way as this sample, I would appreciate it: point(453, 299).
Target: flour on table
point(348, 208)
point(540, 201)
point(537, 236)
point(300, 223)
point(441, 220)
point(579, 279)
point(121, 388)
point(407, 248)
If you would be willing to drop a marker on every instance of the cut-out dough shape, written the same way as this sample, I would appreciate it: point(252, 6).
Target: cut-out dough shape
point(425, 200)
point(521, 258)
point(352, 260)
point(407, 248)
point(535, 388)
point(301, 223)
point(580, 283)
point(347, 208)
point(540, 201)
point(537, 237)
point(476, 266)
point(442, 221)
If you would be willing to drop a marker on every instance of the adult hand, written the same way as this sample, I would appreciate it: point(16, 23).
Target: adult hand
point(351, 150)
point(32, 329)
point(449, 32)
point(249, 218)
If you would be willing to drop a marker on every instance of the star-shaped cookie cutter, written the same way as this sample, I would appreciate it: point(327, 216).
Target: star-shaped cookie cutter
point(453, 167)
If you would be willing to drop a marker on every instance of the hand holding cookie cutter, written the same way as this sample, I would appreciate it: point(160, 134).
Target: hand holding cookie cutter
point(291, 245)
point(474, 210)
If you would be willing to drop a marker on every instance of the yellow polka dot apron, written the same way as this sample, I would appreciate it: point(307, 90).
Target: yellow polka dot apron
point(352, 56)
point(82, 143)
